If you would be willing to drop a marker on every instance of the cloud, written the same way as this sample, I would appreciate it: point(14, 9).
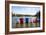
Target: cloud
point(25, 10)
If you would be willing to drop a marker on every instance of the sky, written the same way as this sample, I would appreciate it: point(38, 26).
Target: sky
point(25, 10)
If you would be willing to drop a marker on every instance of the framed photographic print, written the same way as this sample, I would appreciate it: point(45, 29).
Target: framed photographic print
point(24, 17)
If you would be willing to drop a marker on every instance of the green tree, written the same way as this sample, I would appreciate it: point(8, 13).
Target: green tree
point(13, 14)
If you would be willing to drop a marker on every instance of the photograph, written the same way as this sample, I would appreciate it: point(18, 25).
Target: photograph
point(25, 17)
